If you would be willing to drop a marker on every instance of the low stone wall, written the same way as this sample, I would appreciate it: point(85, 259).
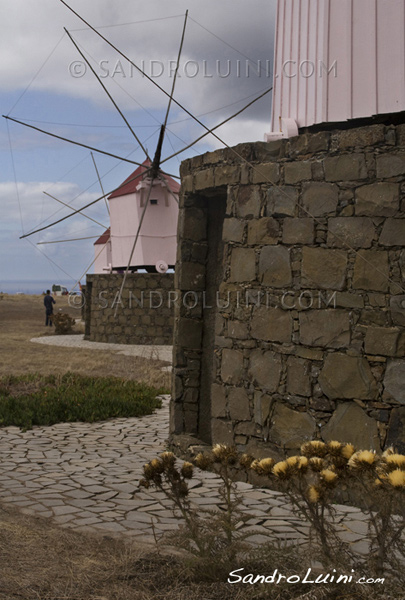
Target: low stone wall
point(310, 338)
point(144, 316)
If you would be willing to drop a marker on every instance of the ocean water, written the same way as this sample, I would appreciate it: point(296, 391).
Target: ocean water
point(30, 286)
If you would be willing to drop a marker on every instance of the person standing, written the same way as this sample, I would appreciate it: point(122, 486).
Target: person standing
point(48, 303)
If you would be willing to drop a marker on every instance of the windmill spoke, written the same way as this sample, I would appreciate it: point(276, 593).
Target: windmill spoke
point(83, 207)
point(217, 126)
point(71, 208)
point(59, 137)
point(99, 180)
point(177, 69)
point(107, 92)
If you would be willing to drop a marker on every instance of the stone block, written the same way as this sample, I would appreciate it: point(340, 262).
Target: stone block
point(396, 427)
point(193, 224)
point(243, 265)
point(349, 300)
point(298, 231)
point(394, 380)
point(221, 432)
point(347, 377)
point(371, 271)
point(309, 143)
point(238, 403)
point(393, 233)
point(204, 179)
point(227, 175)
point(262, 405)
point(361, 137)
point(191, 276)
point(271, 324)
point(352, 232)
point(397, 310)
point(298, 380)
point(390, 165)
point(265, 370)
point(189, 333)
point(218, 401)
point(263, 231)
point(347, 167)
point(325, 328)
point(290, 429)
point(248, 201)
point(232, 370)
point(296, 171)
point(238, 330)
point(274, 267)
point(282, 201)
point(377, 200)
point(350, 424)
point(266, 173)
point(385, 341)
point(233, 230)
point(320, 199)
point(323, 268)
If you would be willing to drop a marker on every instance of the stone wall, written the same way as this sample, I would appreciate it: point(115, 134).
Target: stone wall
point(312, 342)
point(145, 315)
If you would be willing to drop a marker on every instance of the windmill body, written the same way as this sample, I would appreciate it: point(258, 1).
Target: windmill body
point(157, 239)
point(336, 60)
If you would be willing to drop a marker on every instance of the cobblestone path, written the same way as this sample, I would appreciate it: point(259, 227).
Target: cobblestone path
point(85, 476)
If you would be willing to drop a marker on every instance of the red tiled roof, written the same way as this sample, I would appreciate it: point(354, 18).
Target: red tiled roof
point(103, 239)
point(130, 184)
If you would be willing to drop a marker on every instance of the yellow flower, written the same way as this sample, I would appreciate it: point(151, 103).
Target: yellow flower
point(316, 463)
point(328, 476)
point(157, 465)
point(187, 470)
point(335, 447)
point(396, 459)
point(246, 461)
point(363, 458)
point(314, 448)
point(388, 451)
point(313, 494)
point(397, 478)
point(265, 466)
point(223, 453)
point(280, 469)
point(168, 458)
point(347, 451)
point(203, 461)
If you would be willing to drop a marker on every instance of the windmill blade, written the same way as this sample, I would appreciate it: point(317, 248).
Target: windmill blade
point(91, 237)
point(83, 207)
point(218, 126)
point(71, 208)
point(107, 92)
point(177, 69)
point(99, 180)
point(60, 137)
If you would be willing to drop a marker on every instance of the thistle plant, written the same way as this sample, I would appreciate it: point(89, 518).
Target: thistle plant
point(211, 535)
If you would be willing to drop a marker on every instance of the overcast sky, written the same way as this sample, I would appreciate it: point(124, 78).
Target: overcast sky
point(46, 83)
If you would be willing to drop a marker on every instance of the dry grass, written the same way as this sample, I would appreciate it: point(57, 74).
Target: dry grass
point(40, 561)
point(23, 317)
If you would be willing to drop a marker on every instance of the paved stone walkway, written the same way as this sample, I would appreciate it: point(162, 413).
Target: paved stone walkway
point(78, 341)
point(85, 476)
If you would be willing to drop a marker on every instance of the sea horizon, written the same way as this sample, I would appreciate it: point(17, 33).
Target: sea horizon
point(31, 286)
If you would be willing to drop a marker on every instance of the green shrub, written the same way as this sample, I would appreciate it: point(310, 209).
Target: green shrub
point(44, 400)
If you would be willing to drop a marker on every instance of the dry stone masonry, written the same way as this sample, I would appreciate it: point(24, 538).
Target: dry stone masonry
point(144, 314)
point(307, 289)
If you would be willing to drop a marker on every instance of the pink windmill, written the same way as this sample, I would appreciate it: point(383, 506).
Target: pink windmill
point(156, 246)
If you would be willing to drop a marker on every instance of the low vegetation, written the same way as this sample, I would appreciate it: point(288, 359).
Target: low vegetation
point(214, 539)
point(28, 400)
